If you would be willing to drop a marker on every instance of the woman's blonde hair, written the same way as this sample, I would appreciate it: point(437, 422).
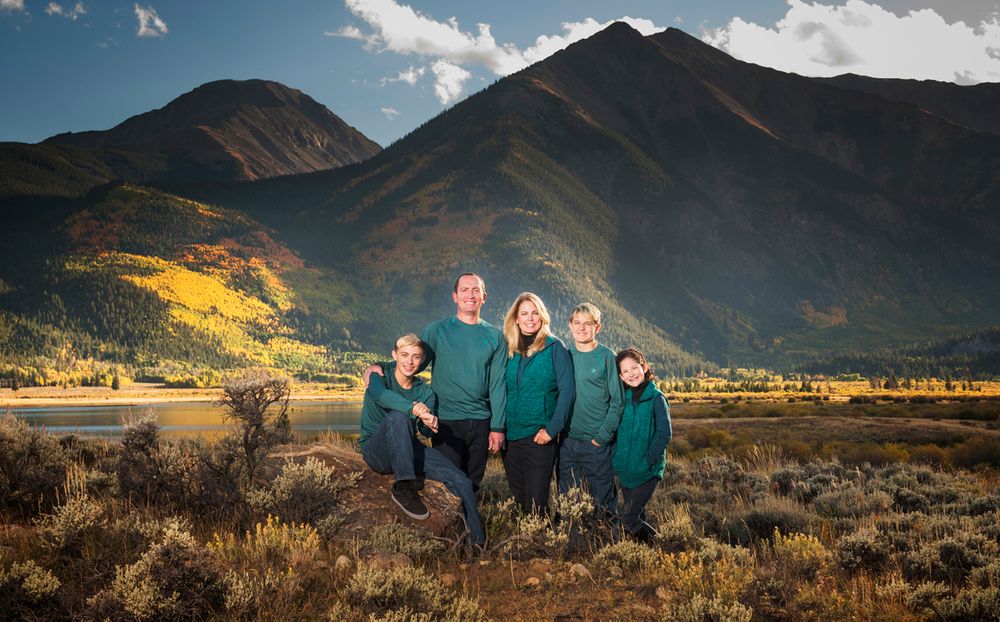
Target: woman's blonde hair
point(513, 334)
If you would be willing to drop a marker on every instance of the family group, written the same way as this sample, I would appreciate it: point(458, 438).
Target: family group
point(582, 412)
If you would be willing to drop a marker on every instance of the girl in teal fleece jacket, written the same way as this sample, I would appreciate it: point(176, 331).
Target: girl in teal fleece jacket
point(643, 435)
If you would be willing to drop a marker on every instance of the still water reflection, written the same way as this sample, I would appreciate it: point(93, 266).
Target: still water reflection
point(185, 418)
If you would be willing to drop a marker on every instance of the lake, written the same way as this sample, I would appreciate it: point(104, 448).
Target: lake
point(185, 418)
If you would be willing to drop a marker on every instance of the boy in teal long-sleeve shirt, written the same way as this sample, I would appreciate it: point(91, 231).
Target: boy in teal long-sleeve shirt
point(393, 404)
point(585, 454)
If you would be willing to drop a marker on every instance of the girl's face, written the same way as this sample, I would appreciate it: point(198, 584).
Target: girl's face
point(528, 319)
point(631, 372)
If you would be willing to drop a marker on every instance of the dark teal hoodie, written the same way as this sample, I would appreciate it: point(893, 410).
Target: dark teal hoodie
point(643, 436)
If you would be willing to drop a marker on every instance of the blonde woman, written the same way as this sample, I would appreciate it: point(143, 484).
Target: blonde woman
point(540, 392)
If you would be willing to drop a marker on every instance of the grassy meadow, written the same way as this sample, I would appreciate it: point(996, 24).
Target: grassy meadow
point(869, 505)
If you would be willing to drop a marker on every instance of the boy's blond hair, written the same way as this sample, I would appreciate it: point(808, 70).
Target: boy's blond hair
point(587, 308)
point(409, 339)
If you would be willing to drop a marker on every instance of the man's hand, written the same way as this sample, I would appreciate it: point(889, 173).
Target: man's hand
point(542, 437)
point(496, 441)
point(372, 369)
point(594, 442)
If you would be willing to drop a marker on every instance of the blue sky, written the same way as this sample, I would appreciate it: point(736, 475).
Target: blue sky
point(385, 66)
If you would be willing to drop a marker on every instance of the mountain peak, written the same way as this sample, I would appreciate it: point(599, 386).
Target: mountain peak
point(238, 129)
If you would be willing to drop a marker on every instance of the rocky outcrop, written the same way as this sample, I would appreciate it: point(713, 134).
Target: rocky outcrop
point(369, 503)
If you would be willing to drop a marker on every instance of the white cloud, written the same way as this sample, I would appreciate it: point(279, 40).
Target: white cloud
point(390, 113)
point(449, 80)
point(858, 37)
point(11, 5)
point(150, 24)
point(410, 75)
point(73, 14)
point(400, 29)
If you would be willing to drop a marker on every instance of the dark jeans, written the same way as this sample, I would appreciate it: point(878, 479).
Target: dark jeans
point(394, 448)
point(581, 463)
point(529, 472)
point(466, 442)
point(633, 516)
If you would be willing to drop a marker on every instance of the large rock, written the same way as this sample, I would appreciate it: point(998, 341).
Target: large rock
point(369, 502)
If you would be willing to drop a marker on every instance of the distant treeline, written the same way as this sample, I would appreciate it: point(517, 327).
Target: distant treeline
point(974, 356)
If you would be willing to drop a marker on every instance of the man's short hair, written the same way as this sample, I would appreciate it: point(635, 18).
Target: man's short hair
point(587, 308)
point(409, 339)
point(481, 281)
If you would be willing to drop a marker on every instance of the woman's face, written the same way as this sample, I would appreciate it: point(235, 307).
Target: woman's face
point(528, 319)
point(631, 372)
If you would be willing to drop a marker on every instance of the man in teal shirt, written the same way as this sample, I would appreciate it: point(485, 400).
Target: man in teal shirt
point(468, 357)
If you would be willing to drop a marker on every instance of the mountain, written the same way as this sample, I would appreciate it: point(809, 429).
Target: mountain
point(973, 106)
point(717, 210)
point(232, 129)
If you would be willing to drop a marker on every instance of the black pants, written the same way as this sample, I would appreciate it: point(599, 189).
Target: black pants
point(633, 516)
point(529, 469)
point(466, 442)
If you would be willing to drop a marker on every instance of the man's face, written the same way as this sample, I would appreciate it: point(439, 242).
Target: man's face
point(584, 328)
point(470, 296)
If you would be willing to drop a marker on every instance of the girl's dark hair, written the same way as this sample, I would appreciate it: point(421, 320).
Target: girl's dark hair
point(638, 357)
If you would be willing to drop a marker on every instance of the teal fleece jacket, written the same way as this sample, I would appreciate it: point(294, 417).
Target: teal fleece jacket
point(540, 390)
point(643, 436)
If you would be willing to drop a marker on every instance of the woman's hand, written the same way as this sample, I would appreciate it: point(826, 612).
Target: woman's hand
point(542, 437)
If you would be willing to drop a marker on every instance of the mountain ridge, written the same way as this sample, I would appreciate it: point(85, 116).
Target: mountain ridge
point(232, 129)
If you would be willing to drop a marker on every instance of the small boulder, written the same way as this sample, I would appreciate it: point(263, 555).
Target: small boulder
point(388, 561)
point(448, 579)
point(532, 582)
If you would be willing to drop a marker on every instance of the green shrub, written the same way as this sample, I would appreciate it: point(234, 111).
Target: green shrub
point(396, 538)
point(27, 591)
point(862, 550)
point(32, 467)
point(408, 594)
point(759, 520)
point(627, 555)
point(65, 528)
point(176, 579)
point(700, 608)
point(305, 492)
point(852, 502)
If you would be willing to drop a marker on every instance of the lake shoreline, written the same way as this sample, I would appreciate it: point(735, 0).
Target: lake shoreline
point(149, 393)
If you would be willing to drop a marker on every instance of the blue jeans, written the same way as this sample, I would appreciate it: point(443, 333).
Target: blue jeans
point(394, 448)
point(582, 462)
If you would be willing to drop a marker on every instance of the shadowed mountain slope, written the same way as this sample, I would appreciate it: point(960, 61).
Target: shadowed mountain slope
point(974, 106)
point(710, 206)
point(720, 213)
point(233, 129)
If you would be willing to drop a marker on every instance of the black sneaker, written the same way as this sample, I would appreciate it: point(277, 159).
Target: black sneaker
point(404, 493)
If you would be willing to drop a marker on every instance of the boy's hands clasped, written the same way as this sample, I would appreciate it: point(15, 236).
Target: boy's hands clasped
point(422, 412)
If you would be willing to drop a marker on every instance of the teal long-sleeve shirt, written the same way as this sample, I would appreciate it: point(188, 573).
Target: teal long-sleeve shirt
point(384, 394)
point(468, 365)
point(600, 398)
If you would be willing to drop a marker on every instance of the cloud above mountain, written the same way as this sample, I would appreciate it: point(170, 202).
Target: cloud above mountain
point(150, 24)
point(859, 37)
point(451, 52)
